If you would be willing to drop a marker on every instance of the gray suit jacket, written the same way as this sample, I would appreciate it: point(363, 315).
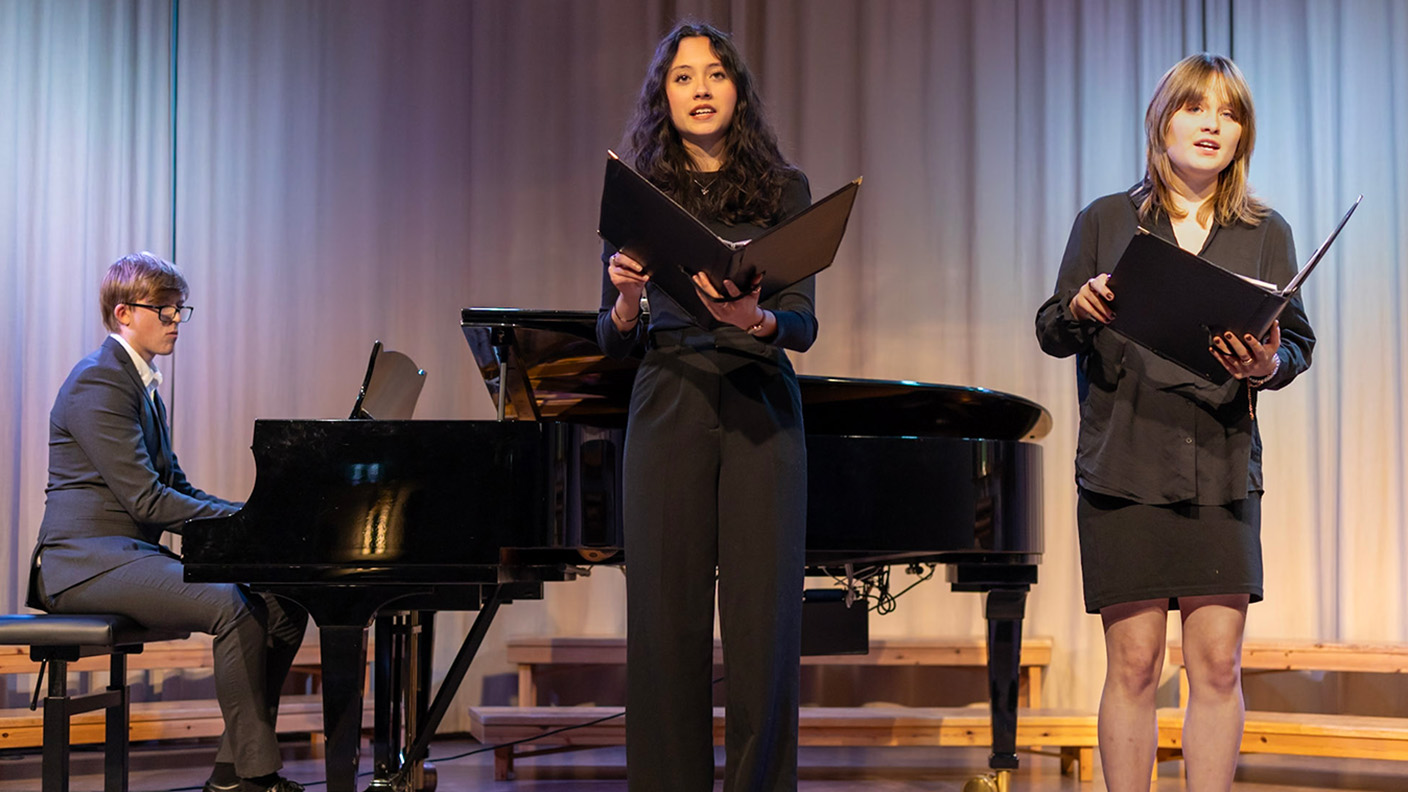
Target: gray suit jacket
point(114, 483)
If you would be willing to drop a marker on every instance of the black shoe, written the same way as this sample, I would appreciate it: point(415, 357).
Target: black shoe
point(211, 786)
point(280, 784)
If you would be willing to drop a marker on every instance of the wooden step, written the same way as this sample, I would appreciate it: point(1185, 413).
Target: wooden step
point(1304, 734)
point(1374, 658)
point(532, 654)
point(938, 651)
point(188, 653)
point(163, 720)
point(1072, 732)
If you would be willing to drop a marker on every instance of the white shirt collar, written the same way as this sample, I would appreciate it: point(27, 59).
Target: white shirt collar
point(151, 377)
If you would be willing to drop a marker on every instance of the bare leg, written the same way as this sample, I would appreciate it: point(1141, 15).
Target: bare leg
point(1212, 653)
point(1128, 726)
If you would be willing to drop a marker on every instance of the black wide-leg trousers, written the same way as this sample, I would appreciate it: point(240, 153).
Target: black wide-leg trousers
point(715, 478)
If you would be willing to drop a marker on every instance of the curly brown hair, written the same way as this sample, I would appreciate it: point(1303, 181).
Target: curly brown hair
point(748, 187)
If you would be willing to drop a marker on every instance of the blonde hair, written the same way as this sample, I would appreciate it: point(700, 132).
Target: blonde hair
point(1189, 80)
point(137, 278)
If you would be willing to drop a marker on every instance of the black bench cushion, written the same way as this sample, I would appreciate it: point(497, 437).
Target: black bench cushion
point(74, 629)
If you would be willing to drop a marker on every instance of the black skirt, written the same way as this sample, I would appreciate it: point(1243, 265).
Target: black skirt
point(1131, 552)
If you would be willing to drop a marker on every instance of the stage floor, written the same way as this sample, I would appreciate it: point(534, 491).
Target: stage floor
point(170, 767)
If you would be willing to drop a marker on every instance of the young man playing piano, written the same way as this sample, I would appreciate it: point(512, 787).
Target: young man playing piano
point(115, 486)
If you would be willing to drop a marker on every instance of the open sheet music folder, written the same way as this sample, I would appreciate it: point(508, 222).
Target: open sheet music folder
point(650, 227)
point(1175, 302)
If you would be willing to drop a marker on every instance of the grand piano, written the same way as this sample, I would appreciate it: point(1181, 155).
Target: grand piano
point(364, 521)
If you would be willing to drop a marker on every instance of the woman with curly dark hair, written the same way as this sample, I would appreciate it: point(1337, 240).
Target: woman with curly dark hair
point(715, 464)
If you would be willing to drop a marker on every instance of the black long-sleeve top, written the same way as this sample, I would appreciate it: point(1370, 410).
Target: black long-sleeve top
point(1151, 431)
point(793, 307)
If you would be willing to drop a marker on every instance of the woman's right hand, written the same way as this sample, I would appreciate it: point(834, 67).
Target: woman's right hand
point(1092, 302)
point(628, 276)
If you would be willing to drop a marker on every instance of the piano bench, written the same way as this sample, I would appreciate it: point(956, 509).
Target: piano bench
point(533, 654)
point(300, 710)
point(57, 639)
point(1071, 732)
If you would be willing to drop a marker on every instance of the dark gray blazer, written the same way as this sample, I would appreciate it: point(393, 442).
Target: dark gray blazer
point(114, 483)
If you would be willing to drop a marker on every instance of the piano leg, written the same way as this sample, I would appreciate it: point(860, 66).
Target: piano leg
point(343, 615)
point(421, 667)
point(1005, 609)
point(404, 642)
point(497, 595)
point(344, 653)
point(386, 681)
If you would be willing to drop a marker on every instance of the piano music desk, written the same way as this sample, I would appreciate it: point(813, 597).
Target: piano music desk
point(1304, 733)
point(533, 654)
point(163, 720)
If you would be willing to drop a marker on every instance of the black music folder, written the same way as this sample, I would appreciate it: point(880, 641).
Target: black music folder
point(1174, 302)
point(672, 244)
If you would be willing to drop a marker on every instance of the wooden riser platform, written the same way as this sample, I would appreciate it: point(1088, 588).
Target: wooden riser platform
point(163, 720)
point(191, 653)
point(1303, 734)
point(534, 654)
point(170, 719)
point(1070, 732)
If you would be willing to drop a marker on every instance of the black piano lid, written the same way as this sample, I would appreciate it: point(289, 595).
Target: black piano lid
point(557, 372)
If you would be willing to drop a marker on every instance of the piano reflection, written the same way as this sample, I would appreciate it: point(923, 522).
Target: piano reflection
point(363, 520)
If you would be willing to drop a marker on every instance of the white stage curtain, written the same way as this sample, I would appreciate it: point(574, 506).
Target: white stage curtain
point(352, 171)
point(85, 176)
point(1331, 82)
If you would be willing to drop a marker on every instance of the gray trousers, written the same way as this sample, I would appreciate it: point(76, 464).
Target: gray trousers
point(256, 638)
point(715, 477)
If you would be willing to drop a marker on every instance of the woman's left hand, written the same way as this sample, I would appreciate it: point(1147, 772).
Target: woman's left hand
point(741, 310)
point(1246, 356)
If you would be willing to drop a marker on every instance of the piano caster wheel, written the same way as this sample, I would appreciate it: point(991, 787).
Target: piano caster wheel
point(402, 782)
point(990, 782)
point(594, 555)
point(429, 778)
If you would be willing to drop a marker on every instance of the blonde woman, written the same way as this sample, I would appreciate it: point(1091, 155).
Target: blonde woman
point(1168, 464)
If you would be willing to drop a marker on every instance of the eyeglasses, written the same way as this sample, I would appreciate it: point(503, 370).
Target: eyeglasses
point(168, 313)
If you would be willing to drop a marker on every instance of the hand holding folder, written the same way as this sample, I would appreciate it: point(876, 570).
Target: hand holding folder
point(1175, 303)
point(673, 245)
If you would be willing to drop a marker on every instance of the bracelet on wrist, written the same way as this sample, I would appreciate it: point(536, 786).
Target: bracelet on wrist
point(622, 319)
point(1257, 382)
point(758, 328)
